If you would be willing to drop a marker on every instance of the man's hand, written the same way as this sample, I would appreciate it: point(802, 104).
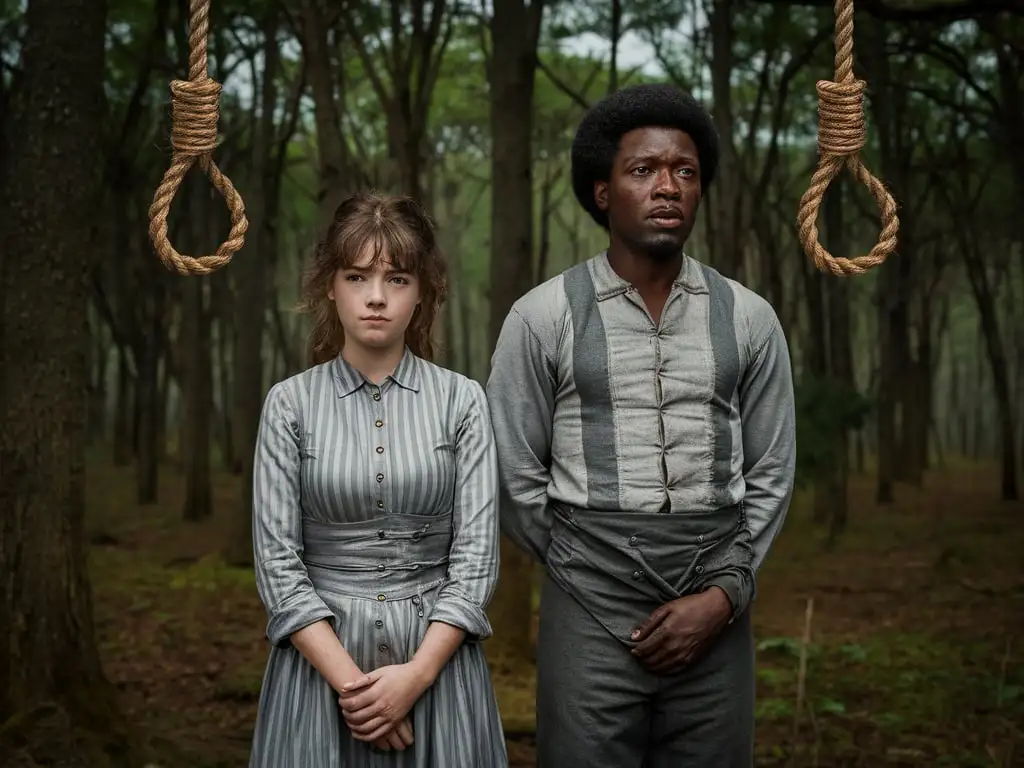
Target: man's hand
point(377, 703)
point(676, 633)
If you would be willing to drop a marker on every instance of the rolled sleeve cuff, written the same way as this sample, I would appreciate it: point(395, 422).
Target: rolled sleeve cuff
point(456, 609)
point(738, 587)
point(296, 613)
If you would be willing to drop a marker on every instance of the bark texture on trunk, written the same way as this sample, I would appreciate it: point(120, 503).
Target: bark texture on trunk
point(51, 678)
point(251, 293)
point(515, 32)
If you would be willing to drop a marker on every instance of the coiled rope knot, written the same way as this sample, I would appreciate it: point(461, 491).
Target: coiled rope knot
point(195, 107)
point(194, 114)
point(841, 136)
point(841, 128)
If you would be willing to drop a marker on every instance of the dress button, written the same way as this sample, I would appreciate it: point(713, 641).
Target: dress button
point(699, 569)
point(632, 541)
point(415, 600)
point(417, 535)
point(380, 567)
point(379, 423)
point(380, 504)
point(378, 623)
point(380, 449)
point(381, 534)
point(382, 598)
point(376, 395)
point(380, 477)
point(383, 647)
point(638, 574)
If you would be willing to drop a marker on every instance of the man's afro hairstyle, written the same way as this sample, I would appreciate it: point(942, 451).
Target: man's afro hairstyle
point(637, 106)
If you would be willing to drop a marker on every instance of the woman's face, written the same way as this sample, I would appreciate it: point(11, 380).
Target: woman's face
point(375, 302)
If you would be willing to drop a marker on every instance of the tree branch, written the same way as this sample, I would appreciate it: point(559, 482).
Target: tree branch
point(936, 11)
point(562, 85)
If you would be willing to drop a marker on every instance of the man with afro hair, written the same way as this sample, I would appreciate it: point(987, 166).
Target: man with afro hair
point(642, 405)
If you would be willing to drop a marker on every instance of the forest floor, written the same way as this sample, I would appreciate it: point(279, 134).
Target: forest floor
point(916, 653)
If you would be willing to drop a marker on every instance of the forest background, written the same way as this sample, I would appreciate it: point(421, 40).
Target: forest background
point(889, 616)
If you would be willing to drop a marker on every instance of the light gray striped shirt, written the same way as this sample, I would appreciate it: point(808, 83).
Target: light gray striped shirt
point(596, 407)
point(335, 448)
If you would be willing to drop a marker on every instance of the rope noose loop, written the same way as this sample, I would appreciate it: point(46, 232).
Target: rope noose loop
point(841, 136)
point(194, 112)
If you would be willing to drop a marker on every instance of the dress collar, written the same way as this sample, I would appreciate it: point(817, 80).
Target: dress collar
point(347, 379)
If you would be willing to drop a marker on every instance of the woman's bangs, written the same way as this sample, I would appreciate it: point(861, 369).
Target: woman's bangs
point(392, 241)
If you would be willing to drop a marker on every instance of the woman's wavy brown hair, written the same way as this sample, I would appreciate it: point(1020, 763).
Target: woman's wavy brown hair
point(395, 225)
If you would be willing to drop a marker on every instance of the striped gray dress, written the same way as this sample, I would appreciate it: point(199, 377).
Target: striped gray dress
point(374, 508)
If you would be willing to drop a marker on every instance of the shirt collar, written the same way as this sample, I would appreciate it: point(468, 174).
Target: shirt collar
point(347, 379)
point(608, 283)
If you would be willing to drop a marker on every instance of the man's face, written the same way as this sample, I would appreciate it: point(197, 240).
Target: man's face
point(653, 191)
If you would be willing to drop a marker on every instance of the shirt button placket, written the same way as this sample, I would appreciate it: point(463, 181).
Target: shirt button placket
point(378, 434)
point(379, 625)
point(382, 645)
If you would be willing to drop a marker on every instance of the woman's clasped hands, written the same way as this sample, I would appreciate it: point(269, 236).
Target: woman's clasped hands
point(376, 706)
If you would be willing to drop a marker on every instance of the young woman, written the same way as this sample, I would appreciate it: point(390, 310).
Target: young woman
point(375, 527)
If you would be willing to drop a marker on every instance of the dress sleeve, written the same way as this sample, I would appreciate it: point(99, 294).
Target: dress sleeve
point(281, 578)
point(473, 558)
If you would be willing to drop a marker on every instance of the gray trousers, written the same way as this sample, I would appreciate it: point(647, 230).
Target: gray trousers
point(597, 707)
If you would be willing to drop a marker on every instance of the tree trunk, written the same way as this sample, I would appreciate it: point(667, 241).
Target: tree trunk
point(996, 352)
point(223, 300)
point(830, 495)
point(614, 38)
point(551, 177)
point(224, 359)
point(251, 296)
point(96, 421)
point(404, 85)
point(515, 31)
point(50, 667)
point(123, 410)
point(916, 401)
point(977, 418)
point(890, 299)
point(726, 195)
point(147, 469)
point(335, 167)
point(196, 378)
point(162, 404)
point(841, 364)
point(195, 449)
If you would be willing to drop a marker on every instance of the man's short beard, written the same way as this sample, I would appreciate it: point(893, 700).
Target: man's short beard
point(662, 248)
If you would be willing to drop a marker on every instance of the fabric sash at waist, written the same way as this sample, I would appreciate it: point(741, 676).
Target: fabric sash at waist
point(389, 557)
point(620, 567)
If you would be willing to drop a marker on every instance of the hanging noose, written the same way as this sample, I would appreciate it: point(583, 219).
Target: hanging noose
point(841, 136)
point(195, 105)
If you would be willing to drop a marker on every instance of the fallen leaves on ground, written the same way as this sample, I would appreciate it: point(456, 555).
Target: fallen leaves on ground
point(916, 638)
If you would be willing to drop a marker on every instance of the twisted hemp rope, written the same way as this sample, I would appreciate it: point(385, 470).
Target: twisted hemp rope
point(841, 136)
point(194, 112)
